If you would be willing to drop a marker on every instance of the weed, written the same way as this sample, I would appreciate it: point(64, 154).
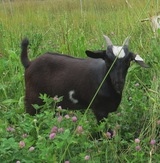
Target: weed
point(56, 134)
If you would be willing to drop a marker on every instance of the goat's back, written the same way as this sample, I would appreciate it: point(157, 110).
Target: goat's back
point(54, 63)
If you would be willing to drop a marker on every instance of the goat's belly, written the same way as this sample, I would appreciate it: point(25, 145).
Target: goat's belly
point(66, 104)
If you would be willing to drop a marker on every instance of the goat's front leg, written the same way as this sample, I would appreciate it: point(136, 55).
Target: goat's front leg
point(100, 116)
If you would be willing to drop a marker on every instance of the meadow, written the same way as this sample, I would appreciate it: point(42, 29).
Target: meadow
point(71, 27)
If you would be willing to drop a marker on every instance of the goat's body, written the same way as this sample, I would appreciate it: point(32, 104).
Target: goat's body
point(77, 80)
point(54, 74)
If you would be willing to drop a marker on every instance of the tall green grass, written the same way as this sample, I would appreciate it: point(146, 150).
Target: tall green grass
point(71, 27)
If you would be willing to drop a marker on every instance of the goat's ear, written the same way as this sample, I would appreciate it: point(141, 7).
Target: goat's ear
point(96, 54)
point(139, 60)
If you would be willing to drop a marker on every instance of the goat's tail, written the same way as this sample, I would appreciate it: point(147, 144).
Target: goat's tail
point(24, 54)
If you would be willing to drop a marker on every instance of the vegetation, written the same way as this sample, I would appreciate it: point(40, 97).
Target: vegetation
point(70, 27)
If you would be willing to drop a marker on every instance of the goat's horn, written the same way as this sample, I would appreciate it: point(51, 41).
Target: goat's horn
point(126, 41)
point(108, 41)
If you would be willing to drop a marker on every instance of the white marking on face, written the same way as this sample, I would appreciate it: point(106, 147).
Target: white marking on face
point(71, 93)
point(138, 58)
point(118, 51)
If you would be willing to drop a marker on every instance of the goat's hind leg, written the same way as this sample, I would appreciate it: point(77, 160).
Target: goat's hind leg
point(30, 100)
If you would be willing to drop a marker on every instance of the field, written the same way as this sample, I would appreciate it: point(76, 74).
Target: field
point(71, 27)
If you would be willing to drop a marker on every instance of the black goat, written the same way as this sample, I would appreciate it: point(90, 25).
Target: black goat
point(78, 79)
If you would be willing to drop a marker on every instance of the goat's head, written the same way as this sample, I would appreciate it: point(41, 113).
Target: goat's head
point(120, 57)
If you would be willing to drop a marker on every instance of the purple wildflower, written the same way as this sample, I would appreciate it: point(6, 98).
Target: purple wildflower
point(153, 142)
point(22, 144)
point(59, 108)
point(87, 157)
point(137, 140)
point(52, 135)
point(60, 130)
point(10, 129)
point(55, 98)
point(108, 135)
point(79, 130)
point(60, 118)
point(31, 149)
point(138, 147)
point(137, 84)
point(74, 118)
point(67, 116)
point(24, 135)
point(54, 129)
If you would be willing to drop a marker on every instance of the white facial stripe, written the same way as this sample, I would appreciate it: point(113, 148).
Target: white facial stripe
point(71, 93)
point(138, 58)
point(118, 51)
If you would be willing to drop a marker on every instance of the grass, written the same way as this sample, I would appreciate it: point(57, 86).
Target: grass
point(71, 27)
